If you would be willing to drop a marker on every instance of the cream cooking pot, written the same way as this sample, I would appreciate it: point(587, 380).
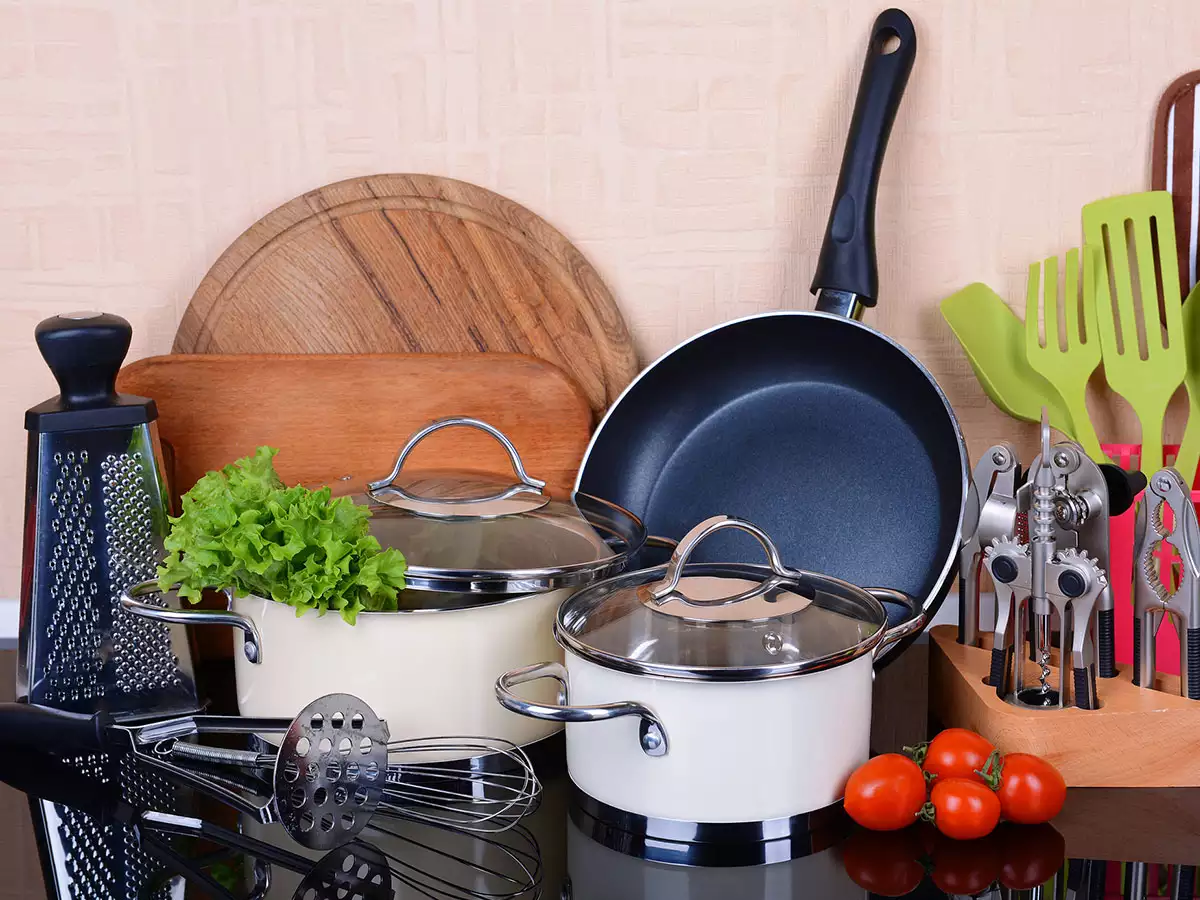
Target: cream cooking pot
point(714, 693)
point(489, 563)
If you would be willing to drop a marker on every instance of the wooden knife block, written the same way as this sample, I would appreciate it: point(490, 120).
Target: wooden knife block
point(1138, 738)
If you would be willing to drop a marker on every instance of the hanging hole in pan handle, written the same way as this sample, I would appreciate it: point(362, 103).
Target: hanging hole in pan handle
point(526, 484)
point(652, 735)
point(667, 589)
point(251, 642)
point(887, 42)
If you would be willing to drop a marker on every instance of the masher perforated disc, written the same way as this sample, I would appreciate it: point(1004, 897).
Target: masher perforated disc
point(330, 771)
point(354, 870)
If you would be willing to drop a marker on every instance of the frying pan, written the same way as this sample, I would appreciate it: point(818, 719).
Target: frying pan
point(810, 424)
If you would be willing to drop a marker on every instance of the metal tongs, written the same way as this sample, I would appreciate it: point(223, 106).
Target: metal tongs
point(1154, 601)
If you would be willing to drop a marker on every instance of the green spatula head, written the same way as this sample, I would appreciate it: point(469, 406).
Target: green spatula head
point(993, 339)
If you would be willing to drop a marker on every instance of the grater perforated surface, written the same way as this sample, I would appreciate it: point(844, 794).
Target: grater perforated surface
point(144, 656)
point(74, 660)
point(99, 521)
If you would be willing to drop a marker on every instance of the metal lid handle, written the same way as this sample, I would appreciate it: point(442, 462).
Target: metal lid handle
point(525, 482)
point(669, 587)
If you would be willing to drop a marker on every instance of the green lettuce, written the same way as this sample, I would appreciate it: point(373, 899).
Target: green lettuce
point(241, 528)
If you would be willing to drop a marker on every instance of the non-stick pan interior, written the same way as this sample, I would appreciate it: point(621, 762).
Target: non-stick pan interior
point(815, 428)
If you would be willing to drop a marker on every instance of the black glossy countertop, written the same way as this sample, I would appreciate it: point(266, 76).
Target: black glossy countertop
point(567, 854)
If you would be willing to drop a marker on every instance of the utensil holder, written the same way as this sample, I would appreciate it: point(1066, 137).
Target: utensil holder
point(1138, 737)
point(1120, 576)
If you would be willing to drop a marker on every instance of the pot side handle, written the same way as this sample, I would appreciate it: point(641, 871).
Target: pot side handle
point(652, 735)
point(130, 600)
point(897, 633)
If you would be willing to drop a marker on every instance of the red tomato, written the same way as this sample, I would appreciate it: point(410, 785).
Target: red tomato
point(964, 809)
point(885, 793)
point(1031, 790)
point(883, 863)
point(966, 867)
point(1031, 853)
point(957, 753)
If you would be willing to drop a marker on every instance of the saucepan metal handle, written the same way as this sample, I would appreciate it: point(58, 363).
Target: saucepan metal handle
point(668, 588)
point(251, 644)
point(525, 482)
point(652, 735)
point(910, 626)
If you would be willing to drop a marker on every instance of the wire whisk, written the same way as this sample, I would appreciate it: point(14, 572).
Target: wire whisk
point(487, 785)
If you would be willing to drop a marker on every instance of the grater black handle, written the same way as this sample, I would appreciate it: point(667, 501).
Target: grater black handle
point(54, 731)
point(84, 351)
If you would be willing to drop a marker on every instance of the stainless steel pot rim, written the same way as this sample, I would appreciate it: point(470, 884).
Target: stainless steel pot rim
point(548, 578)
point(370, 614)
point(621, 663)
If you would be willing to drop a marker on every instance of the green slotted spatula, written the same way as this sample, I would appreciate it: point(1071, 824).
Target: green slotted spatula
point(1067, 369)
point(1143, 362)
point(993, 340)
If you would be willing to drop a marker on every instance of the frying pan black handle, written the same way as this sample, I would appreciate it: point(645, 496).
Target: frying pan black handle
point(29, 727)
point(847, 261)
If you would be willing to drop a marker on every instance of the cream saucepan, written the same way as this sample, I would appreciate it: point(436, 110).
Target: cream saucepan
point(714, 694)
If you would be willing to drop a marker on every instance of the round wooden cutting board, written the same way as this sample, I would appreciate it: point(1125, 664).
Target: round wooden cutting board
point(411, 263)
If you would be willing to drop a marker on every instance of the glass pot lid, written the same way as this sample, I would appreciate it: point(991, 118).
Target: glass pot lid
point(721, 622)
point(470, 533)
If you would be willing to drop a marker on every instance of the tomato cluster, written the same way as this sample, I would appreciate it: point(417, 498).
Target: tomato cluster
point(970, 787)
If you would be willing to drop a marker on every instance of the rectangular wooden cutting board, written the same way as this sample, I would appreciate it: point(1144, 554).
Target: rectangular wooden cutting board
point(337, 415)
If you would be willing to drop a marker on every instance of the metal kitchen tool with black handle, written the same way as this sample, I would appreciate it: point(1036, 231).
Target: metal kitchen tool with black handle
point(846, 279)
point(991, 513)
point(327, 778)
point(1087, 496)
point(331, 773)
point(96, 514)
point(1074, 583)
point(1154, 601)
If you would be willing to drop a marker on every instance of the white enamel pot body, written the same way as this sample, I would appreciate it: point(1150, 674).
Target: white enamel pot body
point(426, 672)
point(737, 752)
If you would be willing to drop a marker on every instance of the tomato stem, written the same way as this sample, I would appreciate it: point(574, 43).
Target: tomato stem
point(928, 813)
point(918, 752)
point(992, 770)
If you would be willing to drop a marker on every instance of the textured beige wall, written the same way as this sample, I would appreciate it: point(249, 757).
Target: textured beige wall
point(688, 146)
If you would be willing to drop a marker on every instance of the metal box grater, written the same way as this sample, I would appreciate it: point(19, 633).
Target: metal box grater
point(95, 518)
